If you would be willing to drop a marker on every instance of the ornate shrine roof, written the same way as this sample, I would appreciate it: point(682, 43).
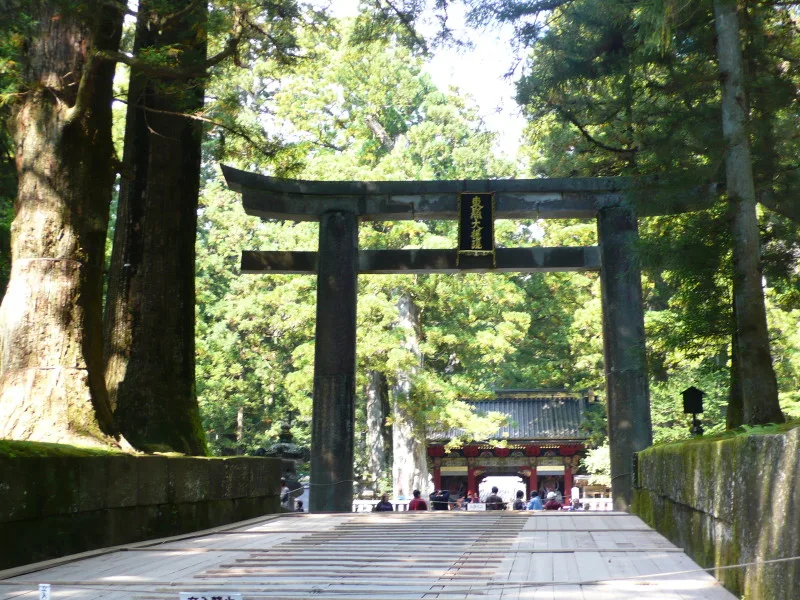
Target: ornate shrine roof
point(533, 415)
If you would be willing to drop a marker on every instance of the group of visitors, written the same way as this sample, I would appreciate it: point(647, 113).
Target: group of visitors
point(441, 500)
point(495, 502)
point(417, 503)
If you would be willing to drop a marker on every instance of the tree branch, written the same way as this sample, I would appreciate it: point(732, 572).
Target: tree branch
point(513, 11)
point(85, 89)
point(170, 19)
point(167, 72)
point(238, 132)
point(789, 208)
point(406, 21)
point(589, 137)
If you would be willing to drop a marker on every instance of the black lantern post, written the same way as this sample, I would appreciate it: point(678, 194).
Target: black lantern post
point(693, 404)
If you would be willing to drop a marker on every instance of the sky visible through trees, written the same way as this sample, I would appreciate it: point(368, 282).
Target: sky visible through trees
point(485, 67)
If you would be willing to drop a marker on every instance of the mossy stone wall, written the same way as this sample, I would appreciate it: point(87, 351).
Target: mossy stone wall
point(726, 502)
point(56, 506)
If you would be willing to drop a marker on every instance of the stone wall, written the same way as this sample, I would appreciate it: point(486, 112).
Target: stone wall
point(728, 502)
point(52, 507)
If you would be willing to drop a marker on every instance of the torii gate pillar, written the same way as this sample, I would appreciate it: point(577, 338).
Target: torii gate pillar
point(334, 364)
point(627, 393)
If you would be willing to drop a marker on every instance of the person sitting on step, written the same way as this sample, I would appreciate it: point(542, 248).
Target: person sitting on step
point(535, 502)
point(495, 502)
point(552, 502)
point(384, 505)
point(417, 503)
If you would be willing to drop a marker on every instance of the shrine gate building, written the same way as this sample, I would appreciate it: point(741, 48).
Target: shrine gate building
point(544, 440)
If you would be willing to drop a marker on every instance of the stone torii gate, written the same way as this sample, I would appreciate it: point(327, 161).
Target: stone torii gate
point(340, 205)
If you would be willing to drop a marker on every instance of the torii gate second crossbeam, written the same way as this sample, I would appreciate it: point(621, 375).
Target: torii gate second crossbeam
point(339, 205)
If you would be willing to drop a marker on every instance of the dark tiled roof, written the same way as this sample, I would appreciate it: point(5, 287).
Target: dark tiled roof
point(546, 417)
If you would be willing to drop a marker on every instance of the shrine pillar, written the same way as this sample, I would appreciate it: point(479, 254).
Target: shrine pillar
point(627, 393)
point(526, 473)
point(333, 416)
point(437, 473)
point(533, 480)
point(568, 477)
point(471, 484)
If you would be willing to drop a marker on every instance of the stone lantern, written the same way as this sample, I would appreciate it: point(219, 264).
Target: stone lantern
point(290, 454)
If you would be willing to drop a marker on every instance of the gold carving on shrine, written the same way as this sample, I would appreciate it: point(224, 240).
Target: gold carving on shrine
point(475, 216)
point(476, 225)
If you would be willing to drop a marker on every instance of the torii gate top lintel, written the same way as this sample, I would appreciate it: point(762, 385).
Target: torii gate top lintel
point(579, 198)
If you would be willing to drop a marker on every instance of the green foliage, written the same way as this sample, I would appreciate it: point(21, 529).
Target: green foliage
point(478, 332)
point(241, 93)
point(251, 335)
point(669, 421)
point(618, 88)
point(604, 97)
point(596, 425)
point(16, 25)
point(785, 347)
point(597, 464)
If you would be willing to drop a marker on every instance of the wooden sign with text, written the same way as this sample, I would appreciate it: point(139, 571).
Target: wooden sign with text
point(476, 230)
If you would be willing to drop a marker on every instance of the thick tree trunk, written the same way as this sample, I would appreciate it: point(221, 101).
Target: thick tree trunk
point(149, 321)
point(409, 464)
point(51, 378)
point(377, 436)
point(756, 375)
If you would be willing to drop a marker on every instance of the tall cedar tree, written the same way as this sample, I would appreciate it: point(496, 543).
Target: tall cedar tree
point(51, 378)
point(754, 382)
point(755, 376)
point(149, 320)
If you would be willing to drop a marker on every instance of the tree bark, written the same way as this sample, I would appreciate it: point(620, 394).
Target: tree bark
point(410, 463)
point(756, 376)
point(149, 320)
point(51, 378)
point(735, 415)
point(377, 434)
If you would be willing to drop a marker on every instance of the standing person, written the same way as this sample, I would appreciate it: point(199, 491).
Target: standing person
point(286, 496)
point(519, 503)
point(535, 502)
point(440, 500)
point(552, 502)
point(495, 502)
point(417, 503)
point(384, 505)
